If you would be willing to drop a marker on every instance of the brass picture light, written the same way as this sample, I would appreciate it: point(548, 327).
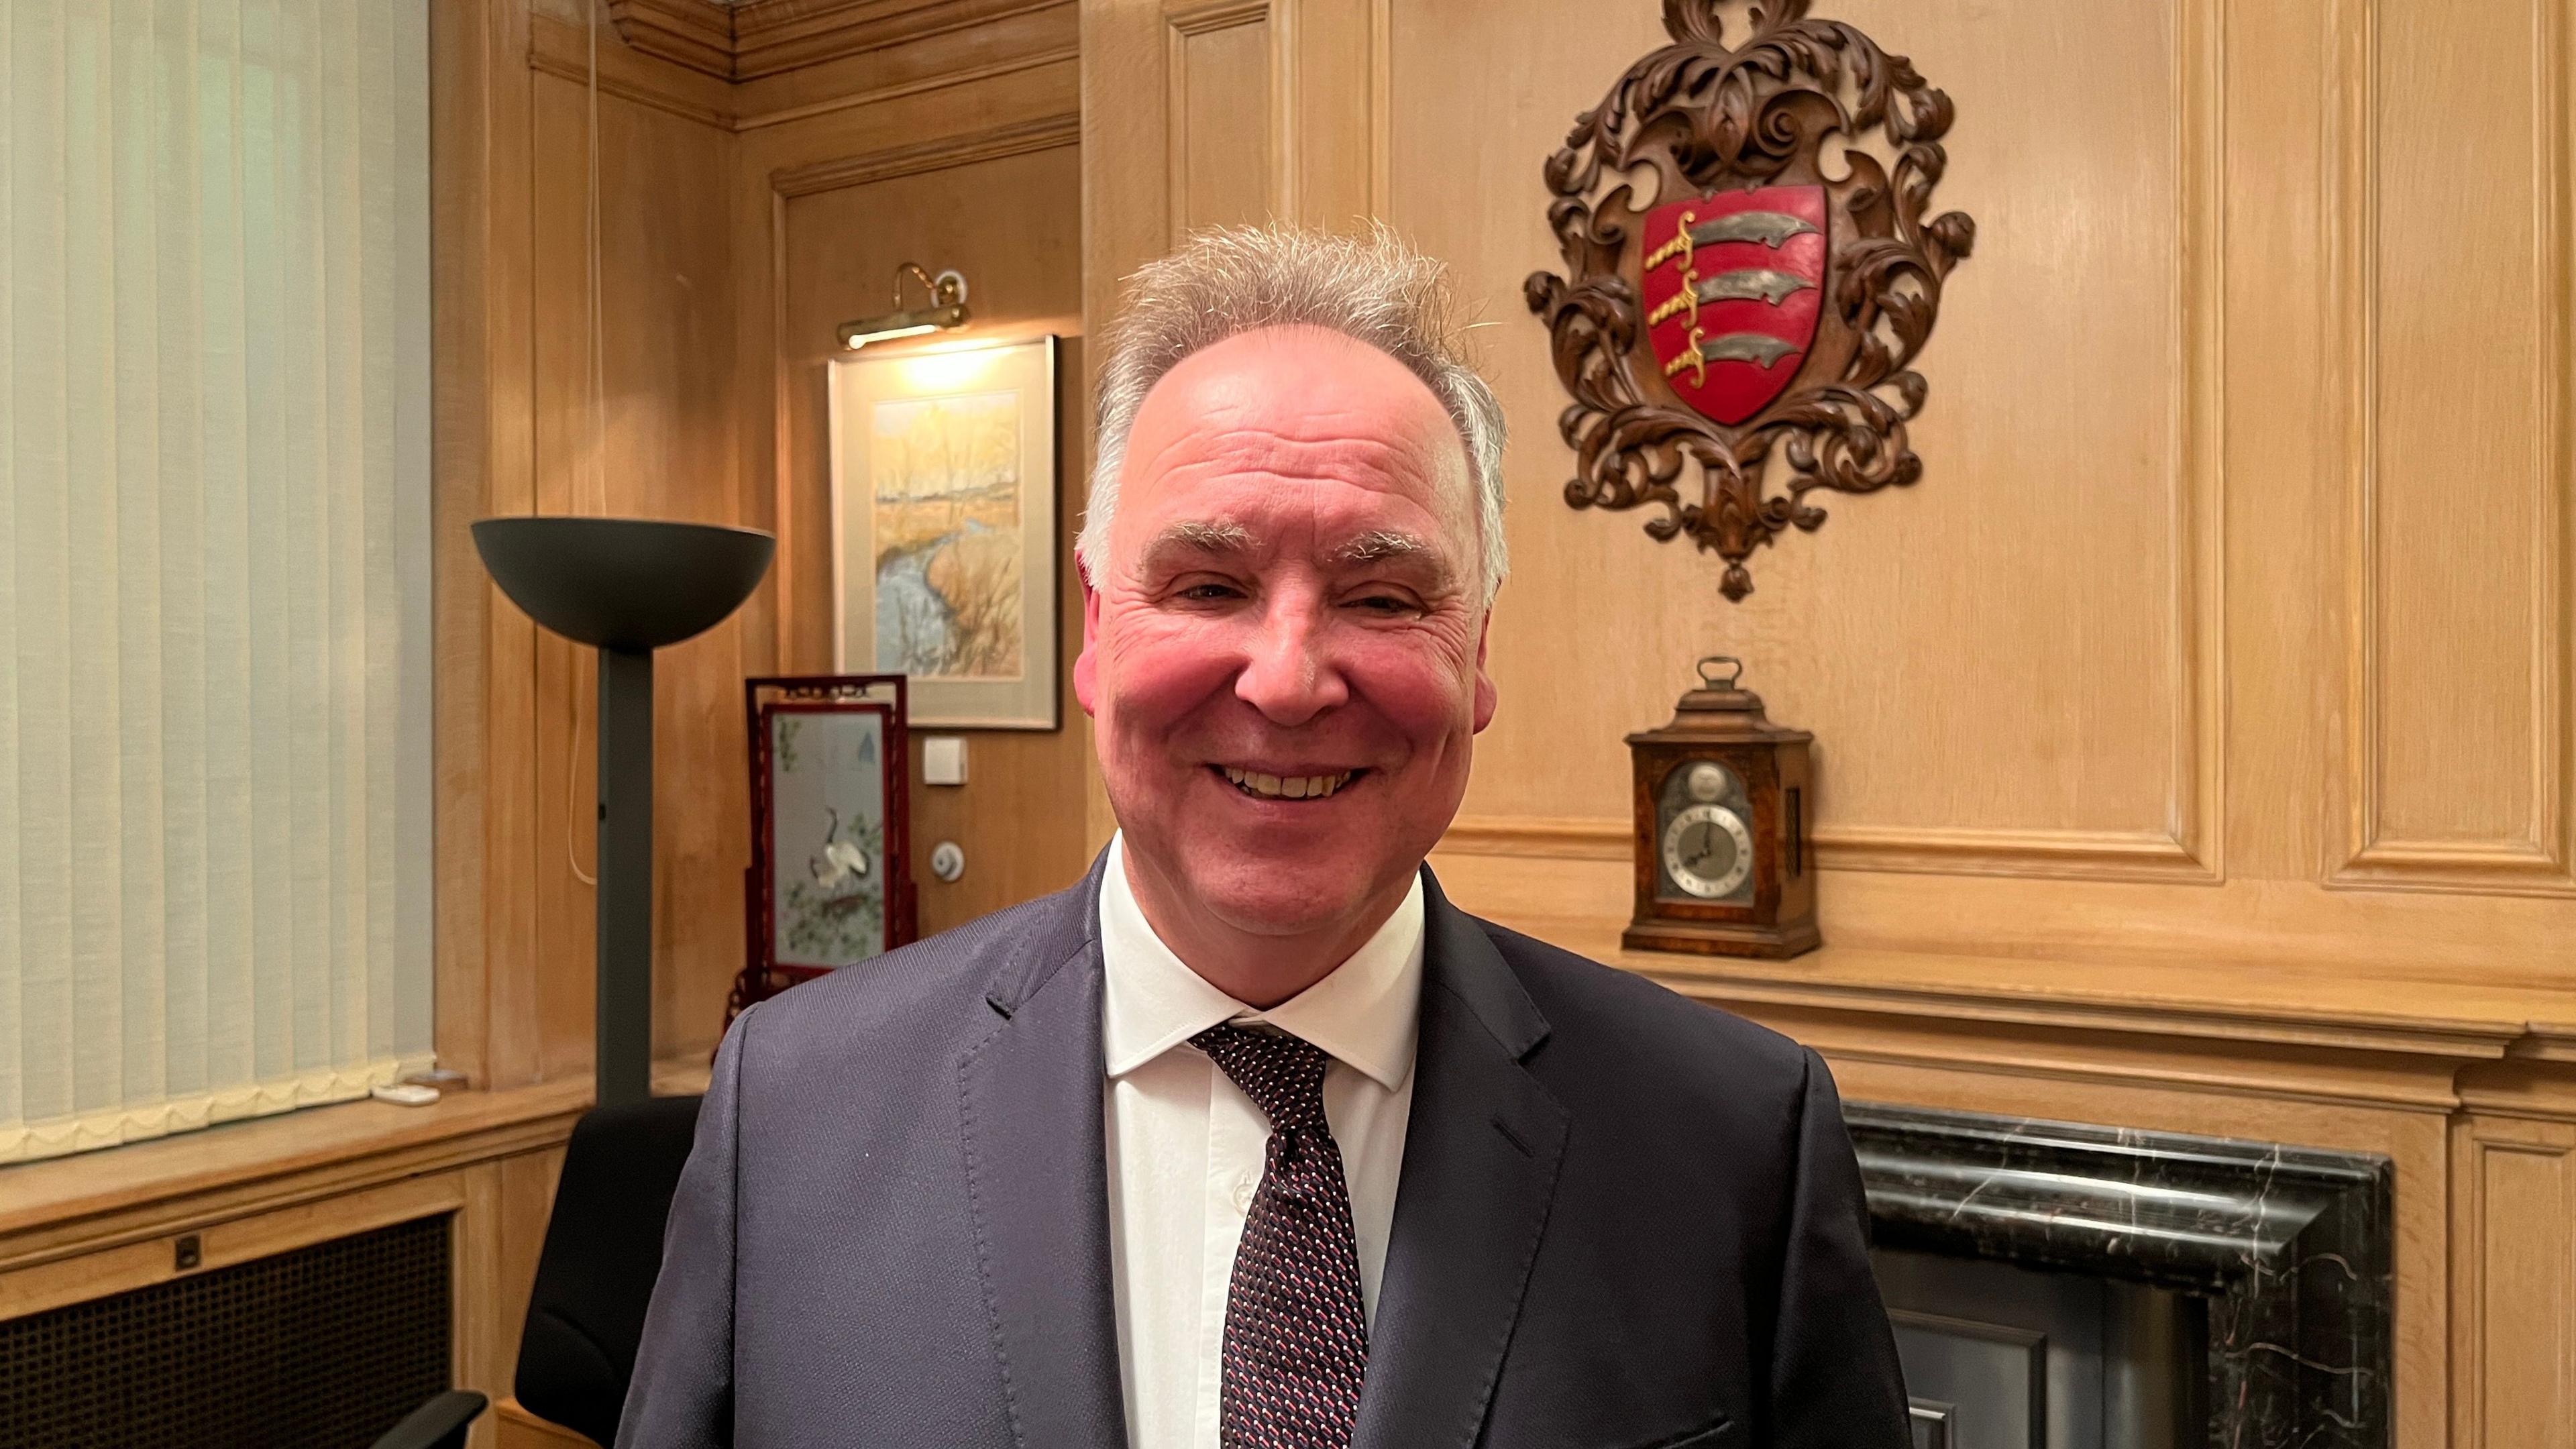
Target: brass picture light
point(947, 309)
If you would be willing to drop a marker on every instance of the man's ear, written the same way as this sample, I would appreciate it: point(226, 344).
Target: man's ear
point(1085, 669)
point(1485, 694)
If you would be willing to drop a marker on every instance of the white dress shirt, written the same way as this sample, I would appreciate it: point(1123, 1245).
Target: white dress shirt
point(1186, 1145)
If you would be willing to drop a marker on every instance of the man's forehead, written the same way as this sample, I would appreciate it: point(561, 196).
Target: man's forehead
point(1297, 384)
point(1291, 424)
point(1292, 431)
point(1221, 503)
point(1288, 445)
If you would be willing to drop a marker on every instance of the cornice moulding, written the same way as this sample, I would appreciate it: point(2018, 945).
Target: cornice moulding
point(757, 38)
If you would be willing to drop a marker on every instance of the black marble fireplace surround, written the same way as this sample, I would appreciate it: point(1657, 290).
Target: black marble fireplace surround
point(2287, 1246)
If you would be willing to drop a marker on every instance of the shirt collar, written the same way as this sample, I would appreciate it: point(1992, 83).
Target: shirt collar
point(1363, 1014)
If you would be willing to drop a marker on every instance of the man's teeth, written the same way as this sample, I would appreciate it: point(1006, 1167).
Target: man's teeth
point(1293, 787)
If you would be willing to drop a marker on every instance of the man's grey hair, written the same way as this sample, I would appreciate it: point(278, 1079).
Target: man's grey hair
point(1230, 280)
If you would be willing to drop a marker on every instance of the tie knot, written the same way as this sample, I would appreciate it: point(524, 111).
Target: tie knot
point(1283, 1075)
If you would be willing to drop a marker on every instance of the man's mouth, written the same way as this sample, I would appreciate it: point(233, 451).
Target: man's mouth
point(1286, 787)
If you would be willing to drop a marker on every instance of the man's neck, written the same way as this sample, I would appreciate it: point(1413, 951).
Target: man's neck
point(1256, 969)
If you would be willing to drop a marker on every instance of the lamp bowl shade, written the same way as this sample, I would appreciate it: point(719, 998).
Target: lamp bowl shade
point(623, 583)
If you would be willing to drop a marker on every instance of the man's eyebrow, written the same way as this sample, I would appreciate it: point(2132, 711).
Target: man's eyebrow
point(1196, 536)
point(1382, 543)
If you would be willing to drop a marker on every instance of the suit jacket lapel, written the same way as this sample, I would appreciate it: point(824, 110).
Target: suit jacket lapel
point(1037, 1183)
point(1480, 1159)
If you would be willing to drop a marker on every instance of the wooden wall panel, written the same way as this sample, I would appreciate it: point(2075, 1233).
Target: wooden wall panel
point(1223, 152)
point(470, 79)
point(517, 729)
point(2135, 627)
point(652, 435)
point(1012, 224)
point(499, 1235)
point(2459, 706)
point(907, 131)
point(1959, 715)
point(2514, 1252)
point(1330, 63)
point(687, 422)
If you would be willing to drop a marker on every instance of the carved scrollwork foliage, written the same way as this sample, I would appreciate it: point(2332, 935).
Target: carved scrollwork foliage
point(1771, 291)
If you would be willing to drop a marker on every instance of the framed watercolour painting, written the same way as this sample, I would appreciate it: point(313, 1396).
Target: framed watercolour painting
point(830, 881)
point(944, 529)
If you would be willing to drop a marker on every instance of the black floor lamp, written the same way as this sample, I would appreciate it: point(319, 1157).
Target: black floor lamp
point(625, 586)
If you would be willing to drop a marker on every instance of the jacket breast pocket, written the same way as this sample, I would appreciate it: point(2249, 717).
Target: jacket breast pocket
point(1717, 1434)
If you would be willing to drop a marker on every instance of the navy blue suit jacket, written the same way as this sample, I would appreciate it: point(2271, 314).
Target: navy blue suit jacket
point(1624, 1221)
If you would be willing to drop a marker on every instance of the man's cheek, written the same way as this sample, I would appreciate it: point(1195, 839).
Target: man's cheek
point(1162, 666)
point(1423, 691)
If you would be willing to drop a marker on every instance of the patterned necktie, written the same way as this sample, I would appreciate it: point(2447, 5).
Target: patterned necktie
point(1296, 1342)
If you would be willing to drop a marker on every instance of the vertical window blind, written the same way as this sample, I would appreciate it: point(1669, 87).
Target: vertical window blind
point(214, 561)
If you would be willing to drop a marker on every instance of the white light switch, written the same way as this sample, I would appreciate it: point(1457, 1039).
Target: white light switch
point(943, 760)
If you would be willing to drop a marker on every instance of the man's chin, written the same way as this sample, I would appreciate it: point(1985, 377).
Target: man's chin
point(1262, 899)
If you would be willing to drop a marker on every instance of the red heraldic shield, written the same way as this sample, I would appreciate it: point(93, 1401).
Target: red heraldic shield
point(1733, 284)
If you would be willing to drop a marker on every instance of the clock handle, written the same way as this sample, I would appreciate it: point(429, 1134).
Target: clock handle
point(1734, 671)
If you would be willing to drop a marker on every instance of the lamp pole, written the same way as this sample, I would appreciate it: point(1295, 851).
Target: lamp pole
point(625, 893)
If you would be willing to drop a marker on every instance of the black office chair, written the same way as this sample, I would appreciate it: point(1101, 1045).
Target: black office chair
point(603, 1250)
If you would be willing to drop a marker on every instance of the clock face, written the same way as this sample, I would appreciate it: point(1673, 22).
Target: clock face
point(1708, 850)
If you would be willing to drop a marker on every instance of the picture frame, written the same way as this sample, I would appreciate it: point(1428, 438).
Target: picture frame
point(830, 881)
point(945, 472)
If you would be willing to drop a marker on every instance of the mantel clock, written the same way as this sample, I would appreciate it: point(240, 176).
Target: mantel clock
point(1724, 862)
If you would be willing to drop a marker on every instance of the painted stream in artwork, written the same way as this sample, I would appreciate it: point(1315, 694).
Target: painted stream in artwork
point(913, 621)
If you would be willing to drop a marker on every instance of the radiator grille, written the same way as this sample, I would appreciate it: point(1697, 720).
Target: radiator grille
point(319, 1348)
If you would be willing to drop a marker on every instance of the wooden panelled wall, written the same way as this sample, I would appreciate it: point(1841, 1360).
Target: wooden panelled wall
point(2196, 740)
point(748, 200)
point(753, 193)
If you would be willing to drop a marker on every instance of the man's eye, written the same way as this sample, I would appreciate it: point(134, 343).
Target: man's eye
point(1384, 604)
point(1207, 592)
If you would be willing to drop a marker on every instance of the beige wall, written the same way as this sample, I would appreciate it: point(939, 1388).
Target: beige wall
point(2194, 740)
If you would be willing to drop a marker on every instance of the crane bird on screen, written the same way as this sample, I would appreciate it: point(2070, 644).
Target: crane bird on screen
point(841, 862)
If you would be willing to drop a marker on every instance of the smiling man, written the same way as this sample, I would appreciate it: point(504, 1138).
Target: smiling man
point(1251, 1140)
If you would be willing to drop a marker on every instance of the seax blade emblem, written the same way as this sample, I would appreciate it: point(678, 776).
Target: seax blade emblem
point(1733, 285)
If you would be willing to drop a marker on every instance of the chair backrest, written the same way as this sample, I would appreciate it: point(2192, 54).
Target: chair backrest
point(603, 1251)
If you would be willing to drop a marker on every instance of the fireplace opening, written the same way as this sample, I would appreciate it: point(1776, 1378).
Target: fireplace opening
point(2004, 1357)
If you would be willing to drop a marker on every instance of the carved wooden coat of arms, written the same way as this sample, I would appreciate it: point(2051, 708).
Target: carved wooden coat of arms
point(1768, 295)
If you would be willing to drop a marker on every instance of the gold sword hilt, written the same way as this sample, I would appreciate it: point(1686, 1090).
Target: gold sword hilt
point(1679, 246)
point(1686, 301)
point(1688, 298)
point(1692, 360)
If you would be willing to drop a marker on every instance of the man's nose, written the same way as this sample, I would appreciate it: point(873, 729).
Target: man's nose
point(1290, 675)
